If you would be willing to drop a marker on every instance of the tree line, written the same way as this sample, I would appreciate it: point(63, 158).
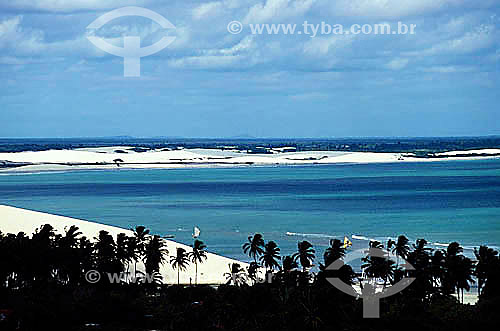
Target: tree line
point(42, 282)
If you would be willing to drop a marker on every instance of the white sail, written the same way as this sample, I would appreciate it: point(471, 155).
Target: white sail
point(196, 232)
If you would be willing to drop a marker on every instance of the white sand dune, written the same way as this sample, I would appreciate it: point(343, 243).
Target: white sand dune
point(15, 220)
point(104, 158)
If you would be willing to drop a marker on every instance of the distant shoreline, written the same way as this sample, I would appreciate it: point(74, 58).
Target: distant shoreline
point(127, 157)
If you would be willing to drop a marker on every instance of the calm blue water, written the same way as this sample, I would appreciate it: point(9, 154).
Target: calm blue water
point(440, 201)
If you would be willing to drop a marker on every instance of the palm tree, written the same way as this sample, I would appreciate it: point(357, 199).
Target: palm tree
point(236, 275)
point(459, 269)
point(289, 264)
point(43, 249)
point(401, 248)
point(305, 254)
point(335, 252)
point(140, 234)
point(464, 275)
point(198, 255)
point(379, 267)
point(252, 271)
point(486, 257)
point(180, 262)
point(122, 249)
point(270, 256)
point(254, 246)
point(68, 262)
point(438, 268)
point(154, 254)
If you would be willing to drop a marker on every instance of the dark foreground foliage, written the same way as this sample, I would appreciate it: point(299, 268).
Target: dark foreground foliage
point(43, 287)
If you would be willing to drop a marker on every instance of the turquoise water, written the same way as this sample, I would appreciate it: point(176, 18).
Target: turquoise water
point(440, 201)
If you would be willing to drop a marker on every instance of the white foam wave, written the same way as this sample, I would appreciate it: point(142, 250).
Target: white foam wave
point(316, 235)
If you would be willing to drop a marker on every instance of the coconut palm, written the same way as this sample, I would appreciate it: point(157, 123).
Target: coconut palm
point(486, 257)
point(68, 263)
point(438, 268)
point(140, 235)
point(236, 275)
point(335, 252)
point(198, 255)
point(305, 254)
point(289, 264)
point(459, 270)
point(379, 267)
point(252, 271)
point(254, 246)
point(180, 262)
point(154, 254)
point(270, 256)
point(122, 249)
point(401, 248)
point(465, 272)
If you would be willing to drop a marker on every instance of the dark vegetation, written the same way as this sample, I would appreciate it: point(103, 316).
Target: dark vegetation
point(421, 146)
point(43, 286)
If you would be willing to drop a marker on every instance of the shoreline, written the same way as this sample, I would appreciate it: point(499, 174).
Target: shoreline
point(124, 157)
point(15, 220)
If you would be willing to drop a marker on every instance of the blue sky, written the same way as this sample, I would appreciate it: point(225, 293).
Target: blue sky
point(441, 81)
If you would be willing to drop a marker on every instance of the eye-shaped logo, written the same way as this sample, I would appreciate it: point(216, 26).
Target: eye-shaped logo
point(131, 51)
point(369, 292)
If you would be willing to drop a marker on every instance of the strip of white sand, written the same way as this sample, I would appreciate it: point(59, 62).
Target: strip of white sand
point(15, 220)
point(125, 157)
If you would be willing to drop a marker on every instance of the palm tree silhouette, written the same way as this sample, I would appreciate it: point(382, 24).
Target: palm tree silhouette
point(289, 264)
point(236, 275)
point(180, 262)
point(460, 269)
point(122, 252)
point(252, 271)
point(335, 252)
point(270, 256)
point(198, 255)
point(305, 254)
point(154, 254)
point(106, 259)
point(140, 235)
point(254, 246)
point(67, 258)
point(486, 257)
point(401, 248)
point(379, 267)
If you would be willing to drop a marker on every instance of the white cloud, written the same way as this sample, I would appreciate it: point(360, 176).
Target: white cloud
point(14, 38)
point(320, 46)
point(397, 64)
point(398, 8)
point(448, 69)
point(481, 37)
point(273, 9)
point(239, 54)
point(70, 5)
point(207, 9)
point(205, 62)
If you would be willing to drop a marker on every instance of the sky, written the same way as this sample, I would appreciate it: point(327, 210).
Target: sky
point(443, 80)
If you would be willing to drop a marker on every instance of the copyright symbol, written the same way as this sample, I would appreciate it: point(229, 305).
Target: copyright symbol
point(234, 27)
point(92, 276)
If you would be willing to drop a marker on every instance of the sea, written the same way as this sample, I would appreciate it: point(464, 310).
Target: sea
point(439, 201)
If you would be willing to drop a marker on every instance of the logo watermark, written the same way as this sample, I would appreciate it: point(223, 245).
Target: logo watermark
point(131, 51)
point(94, 276)
point(323, 28)
point(369, 293)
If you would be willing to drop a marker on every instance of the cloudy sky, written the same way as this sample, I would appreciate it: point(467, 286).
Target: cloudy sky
point(441, 81)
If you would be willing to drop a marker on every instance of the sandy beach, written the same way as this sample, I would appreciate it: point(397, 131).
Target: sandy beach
point(126, 157)
point(15, 220)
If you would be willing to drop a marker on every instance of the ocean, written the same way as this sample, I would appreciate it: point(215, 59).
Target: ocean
point(439, 201)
